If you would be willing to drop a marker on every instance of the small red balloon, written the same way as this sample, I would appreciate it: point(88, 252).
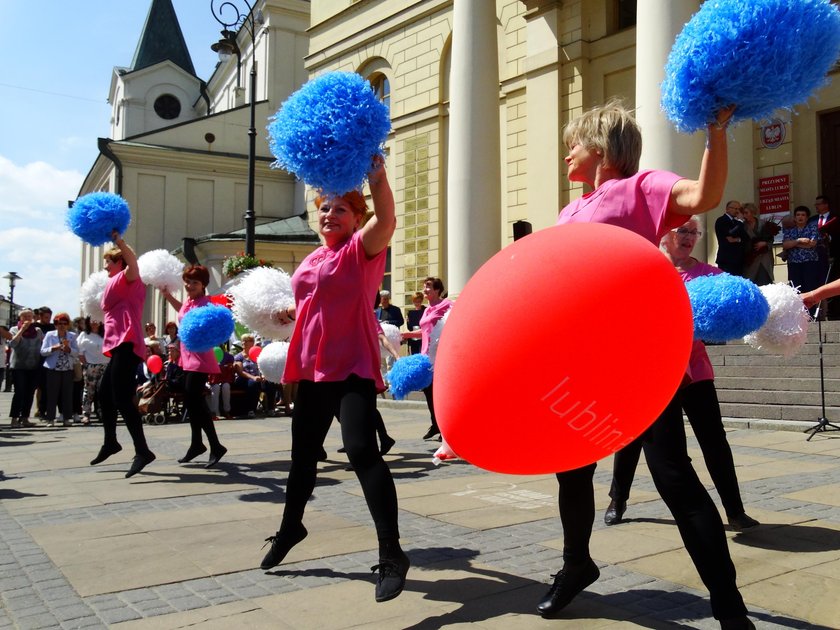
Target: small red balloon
point(221, 300)
point(254, 353)
point(154, 363)
point(588, 324)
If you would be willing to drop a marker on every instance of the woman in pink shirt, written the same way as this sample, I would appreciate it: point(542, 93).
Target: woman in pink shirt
point(698, 399)
point(605, 146)
point(122, 303)
point(197, 366)
point(334, 358)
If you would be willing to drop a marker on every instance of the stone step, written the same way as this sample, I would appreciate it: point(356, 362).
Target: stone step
point(796, 412)
point(750, 396)
point(801, 360)
point(787, 385)
point(742, 349)
point(775, 371)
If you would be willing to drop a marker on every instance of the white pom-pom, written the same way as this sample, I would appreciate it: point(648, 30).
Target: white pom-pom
point(434, 337)
point(161, 269)
point(393, 335)
point(786, 327)
point(90, 295)
point(272, 360)
point(260, 292)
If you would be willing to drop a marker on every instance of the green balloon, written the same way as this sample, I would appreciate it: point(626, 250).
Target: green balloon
point(218, 353)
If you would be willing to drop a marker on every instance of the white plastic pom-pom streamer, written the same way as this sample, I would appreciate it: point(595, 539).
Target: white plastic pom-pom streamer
point(90, 295)
point(162, 270)
point(259, 293)
point(786, 327)
point(434, 337)
point(444, 453)
point(272, 360)
point(393, 335)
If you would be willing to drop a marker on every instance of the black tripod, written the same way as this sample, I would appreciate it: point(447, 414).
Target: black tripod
point(822, 422)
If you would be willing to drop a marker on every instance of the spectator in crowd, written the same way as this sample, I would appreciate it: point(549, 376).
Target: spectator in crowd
point(153, 341)
point(828, 248)
point(388, 313)
point(170, 335)
point(758, 263)
point(248, 377)
point(122, 303)
point(59, 349)
point(699, 401)
point(220, 385)
point(439, 305)
point(43, 320)
point(800, 243)
point(732, 239)
point(78, 327)
point(413, 317)
point(25, 362)
point(5, 372)
point(93, 364)
point(173, 373)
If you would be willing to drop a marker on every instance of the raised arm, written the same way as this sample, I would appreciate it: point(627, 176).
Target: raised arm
point(132, 271)
point(377, 233)
point(173, 301)
point(821, 293)
point(690, 196)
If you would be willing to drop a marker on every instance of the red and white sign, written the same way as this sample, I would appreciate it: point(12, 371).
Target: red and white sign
point(774, 194)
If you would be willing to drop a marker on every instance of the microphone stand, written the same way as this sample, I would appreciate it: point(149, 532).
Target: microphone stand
point(822, 422)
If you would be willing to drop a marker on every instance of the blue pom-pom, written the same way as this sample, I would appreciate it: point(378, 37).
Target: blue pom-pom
point(726, 307)
point(409, 374)
point(93, 217)
point(205, 327)
point(759, 55)
point(328, 131)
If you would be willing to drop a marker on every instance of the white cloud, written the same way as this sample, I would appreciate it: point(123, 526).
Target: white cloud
point(35, 192)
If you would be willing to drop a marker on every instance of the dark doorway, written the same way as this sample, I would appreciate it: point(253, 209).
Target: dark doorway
point(830, 157)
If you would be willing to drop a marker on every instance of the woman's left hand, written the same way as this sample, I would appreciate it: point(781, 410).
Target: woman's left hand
point(723, 116)
point(284, 316)
point(377, 170)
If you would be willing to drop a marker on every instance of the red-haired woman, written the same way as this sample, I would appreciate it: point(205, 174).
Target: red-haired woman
point(122, 303)
point(334, 358)
point(197, 366)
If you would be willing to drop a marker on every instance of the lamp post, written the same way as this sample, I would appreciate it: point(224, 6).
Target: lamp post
point(226, 47)
point(12, 277)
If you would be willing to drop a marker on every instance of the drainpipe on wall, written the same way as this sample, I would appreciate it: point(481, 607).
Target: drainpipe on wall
point(104, 145)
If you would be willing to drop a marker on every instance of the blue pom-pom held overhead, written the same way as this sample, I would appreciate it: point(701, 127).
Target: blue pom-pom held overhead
point(759, 55)
point(726, 307)
point(409, 374)
point(328, 131)
point(94, 217)
point(205, 327)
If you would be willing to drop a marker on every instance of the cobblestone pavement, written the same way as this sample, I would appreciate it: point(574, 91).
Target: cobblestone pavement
point(177, 545)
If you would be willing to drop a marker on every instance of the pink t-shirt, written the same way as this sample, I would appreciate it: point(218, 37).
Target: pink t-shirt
point(334, 335)
point(699, 366)
point(638, 203)
point(122, 303)
point(190, 361)
point(430, 317)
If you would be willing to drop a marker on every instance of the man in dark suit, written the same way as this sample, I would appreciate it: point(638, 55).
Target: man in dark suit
point(732, 240)
point(828, 250)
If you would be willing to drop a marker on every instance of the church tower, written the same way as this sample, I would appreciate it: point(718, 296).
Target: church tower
point(160, 88)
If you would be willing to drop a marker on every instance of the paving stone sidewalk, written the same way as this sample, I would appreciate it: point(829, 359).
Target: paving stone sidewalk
point(178, 545)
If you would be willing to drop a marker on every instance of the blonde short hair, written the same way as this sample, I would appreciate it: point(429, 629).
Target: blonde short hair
point(612, 130)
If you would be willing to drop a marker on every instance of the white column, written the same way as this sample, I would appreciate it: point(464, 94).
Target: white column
point(473, 176)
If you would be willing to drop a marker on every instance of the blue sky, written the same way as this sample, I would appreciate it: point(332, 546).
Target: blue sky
point(54, 86)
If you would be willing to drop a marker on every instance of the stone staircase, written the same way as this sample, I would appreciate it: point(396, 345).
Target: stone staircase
point(770, 391)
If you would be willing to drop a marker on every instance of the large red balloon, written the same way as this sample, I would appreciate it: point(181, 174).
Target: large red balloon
point(154, 363)
point(561, 349)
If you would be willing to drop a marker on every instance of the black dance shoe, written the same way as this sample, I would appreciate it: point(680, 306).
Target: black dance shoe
point(281, 544)
point(391, 580)
point(568, 582)
point(105, 452)
point(615, 512)
point(386, 444)
point(742, 522)
point(737, 623)
point(139, 463)
point(432, 432)
point(192, 453)
point(215, 456)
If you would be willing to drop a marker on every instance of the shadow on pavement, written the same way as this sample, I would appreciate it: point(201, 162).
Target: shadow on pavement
point(792, 538)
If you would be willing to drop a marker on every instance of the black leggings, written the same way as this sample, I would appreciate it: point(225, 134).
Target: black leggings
point(116, 394)
point(693, 510)
point(26, 380)
point(700, 402)
point(354, 401)
point(195, 400)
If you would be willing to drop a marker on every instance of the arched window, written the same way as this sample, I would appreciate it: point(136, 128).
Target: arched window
point(382, 88)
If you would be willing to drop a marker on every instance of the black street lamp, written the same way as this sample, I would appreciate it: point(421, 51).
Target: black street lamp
point(226, 47)
point(12, 277)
